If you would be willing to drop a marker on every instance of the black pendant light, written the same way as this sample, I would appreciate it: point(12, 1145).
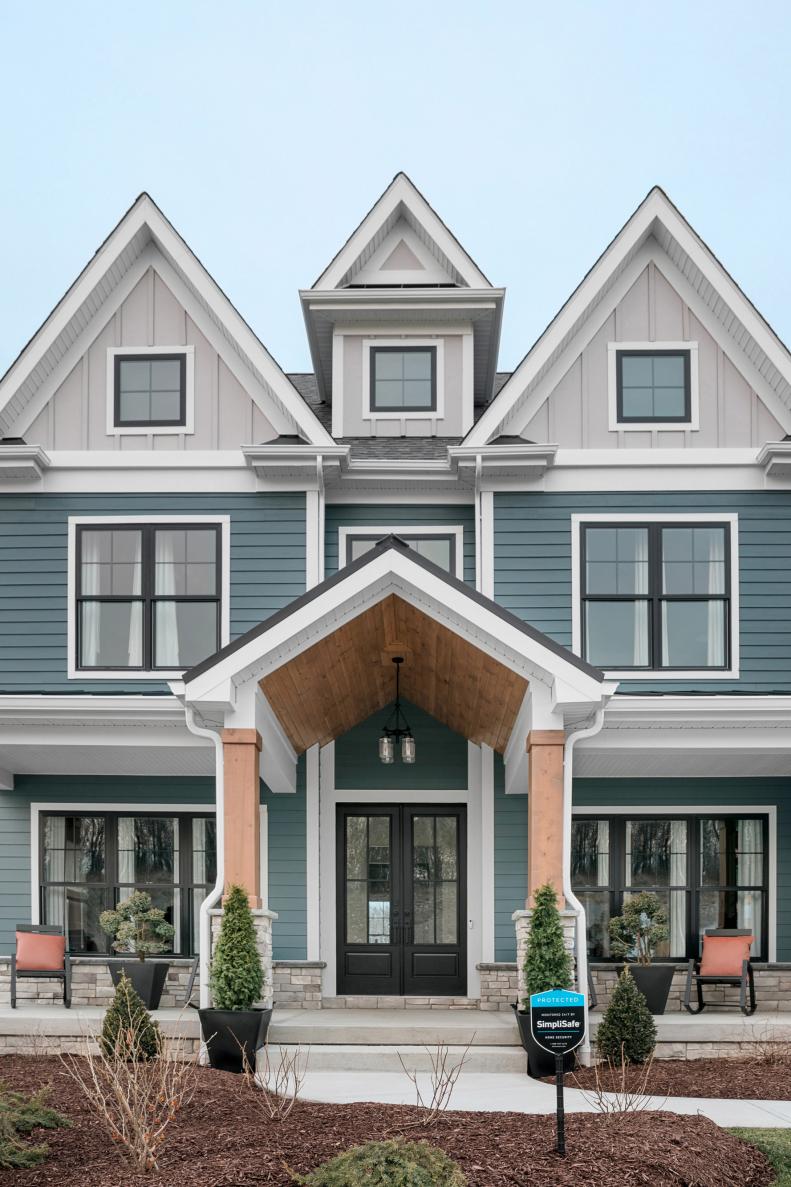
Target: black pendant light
point(396, 729)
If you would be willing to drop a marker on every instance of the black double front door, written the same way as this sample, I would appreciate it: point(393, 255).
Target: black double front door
point(402, 908)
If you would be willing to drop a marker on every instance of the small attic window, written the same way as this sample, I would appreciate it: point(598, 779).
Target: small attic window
point(403, 378)
point(150, 390)
point(653, 385)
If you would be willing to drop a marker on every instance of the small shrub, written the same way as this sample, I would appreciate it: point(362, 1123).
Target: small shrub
point(22, 1114)
point(388, 1164)
point(137, 927)
point(236, 975)
point(547, 961)
point(129, 1027)
point(627, 1032)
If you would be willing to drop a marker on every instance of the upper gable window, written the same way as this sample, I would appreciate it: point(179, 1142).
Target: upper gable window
point(653, 385)
point(150, 391)
point(403, 378)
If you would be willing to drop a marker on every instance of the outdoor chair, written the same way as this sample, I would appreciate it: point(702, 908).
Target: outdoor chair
point(41, 952)
point(191, 982)
point(725, 961)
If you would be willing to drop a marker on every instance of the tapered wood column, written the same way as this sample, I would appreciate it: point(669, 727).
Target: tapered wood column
point(241, 750)
point(545, 812)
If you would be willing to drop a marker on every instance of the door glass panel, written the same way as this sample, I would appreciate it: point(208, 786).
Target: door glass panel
point(424, 913)
point(368, 879)
point(435, 873)
point(446, 912)
point(356, 924)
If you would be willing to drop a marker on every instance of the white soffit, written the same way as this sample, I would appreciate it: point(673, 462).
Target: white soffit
point(742, 326)
point(79, 310)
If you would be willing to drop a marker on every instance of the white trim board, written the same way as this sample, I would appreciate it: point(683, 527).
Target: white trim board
point(377, 533)
point(188, 428)
point(660, 810)
point(142, 520)
point(615, 517)
point(618, 426)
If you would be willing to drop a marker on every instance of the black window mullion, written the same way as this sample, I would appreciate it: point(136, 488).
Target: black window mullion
point(655, 594)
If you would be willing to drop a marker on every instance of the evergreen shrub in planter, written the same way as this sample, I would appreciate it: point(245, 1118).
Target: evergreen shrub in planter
point(233, 1029)
point(142, 930)
point(627, 1032)
point(635, 935)
point(547, 966)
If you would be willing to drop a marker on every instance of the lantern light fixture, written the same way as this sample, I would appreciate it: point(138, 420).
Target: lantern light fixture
point(396, 729)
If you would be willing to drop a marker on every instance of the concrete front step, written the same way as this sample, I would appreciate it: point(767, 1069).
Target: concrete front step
point(331, 1057)
point(393, 1028)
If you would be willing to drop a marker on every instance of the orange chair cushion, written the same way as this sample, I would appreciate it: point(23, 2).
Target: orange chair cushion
point(41, 953)
point(723, 955)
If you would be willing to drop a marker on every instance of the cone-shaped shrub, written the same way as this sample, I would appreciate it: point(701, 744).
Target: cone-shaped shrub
point(547, 961)
point(22, 1114)
point(129, 1031)
point(627, 1029)
point(388, 1164)
point(236, 974)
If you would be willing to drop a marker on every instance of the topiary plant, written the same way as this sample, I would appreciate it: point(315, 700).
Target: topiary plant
point(636, 933)
point(22, 1114)
point(236, 974)
point(388, 1164)
point(129, 1031)
point(137, 927)
point(627, 1031)
point(547, 960)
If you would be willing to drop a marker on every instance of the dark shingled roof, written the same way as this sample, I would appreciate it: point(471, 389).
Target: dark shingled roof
point(401, 449)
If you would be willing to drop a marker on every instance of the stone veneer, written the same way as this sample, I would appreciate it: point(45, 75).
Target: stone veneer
point(522, 919)
point(297, 984)
point(91, 984)
point(262, 919)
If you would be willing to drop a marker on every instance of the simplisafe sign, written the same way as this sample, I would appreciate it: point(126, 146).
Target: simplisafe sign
point(557, 1020)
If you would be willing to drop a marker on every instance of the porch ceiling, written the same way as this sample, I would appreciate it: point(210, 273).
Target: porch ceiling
point(341, 680)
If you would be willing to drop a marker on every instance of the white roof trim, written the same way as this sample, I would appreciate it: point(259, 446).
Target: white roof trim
point(64, 329)
point(739, 322)
point(402, 198)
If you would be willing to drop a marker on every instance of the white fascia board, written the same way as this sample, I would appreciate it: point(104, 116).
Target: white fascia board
point(401, 191)
point(690, 458)
point(663, 708)
point(278, 765)
point(22, 464)
point(38, 707)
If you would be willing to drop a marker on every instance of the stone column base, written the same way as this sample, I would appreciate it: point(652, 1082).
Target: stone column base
point(522, 921)
point(263, 920)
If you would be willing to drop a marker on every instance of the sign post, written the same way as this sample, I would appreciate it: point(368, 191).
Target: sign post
point(557, 1023)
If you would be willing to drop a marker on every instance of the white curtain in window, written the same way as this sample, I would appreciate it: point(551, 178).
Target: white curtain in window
point(716, 632)
point(749, 843)
point(641, 589)
point(603, 853)
point(54, 896)
point(126, 852)
point(166, 622)
point(90, 626)
point(678, 877)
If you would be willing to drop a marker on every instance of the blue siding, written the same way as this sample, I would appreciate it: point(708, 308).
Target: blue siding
point(533, 571)
point(288, 869)
point(267, 571)
point(362, 515)
point(510, 862)
point(441, 757)
point(15, 873)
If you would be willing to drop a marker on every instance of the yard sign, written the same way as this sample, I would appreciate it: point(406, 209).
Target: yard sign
point(557, 1023)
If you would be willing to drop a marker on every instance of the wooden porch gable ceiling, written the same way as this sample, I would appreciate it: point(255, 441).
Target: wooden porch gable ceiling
point(349, 675)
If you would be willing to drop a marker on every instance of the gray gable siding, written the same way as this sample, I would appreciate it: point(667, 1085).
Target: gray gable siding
point(267, 571)
point(532, 543)
point(362, 515)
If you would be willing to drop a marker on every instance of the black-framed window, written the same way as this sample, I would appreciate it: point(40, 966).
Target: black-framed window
point(441, 549)
point(656, 595)
point(150, 390)
point(709, 871)
point(653, 386)
point(147, 596)
point(90, 861)
point(403, 378)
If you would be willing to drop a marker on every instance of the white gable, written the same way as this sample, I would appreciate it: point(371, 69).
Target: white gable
point(402, 258)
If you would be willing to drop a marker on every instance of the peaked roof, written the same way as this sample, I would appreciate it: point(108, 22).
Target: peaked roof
point(77, 318)
point(718, 302)
point(402, 200)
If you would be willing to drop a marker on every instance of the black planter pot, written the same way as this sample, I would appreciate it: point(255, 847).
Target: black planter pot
point(232, 1035)
point(148, 977)
point(540, 1063)
point(653, 981)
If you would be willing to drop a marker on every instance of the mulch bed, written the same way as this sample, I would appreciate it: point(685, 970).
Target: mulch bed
point(735, 1079)
point(224, 1140)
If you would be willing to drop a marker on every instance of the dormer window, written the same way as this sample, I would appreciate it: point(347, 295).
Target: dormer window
point(150, 391)
point(653, 385)
point(403, 379)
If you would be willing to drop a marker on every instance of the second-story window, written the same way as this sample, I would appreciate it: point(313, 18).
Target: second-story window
point(403, 378)
point(653, 386)
point(149, 390)
point(148, 597)
point(656, 596)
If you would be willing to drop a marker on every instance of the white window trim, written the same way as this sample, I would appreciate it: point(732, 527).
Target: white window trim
point(691, 425)
point(437, 413)
point(102, 521)
point(661, 810)
point(83, 808)
point(415, 529)
point(654, 674)
point(187, 428)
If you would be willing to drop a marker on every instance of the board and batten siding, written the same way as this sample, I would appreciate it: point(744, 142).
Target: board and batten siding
point(267, 572)
point(364, 515)
point(532, 571)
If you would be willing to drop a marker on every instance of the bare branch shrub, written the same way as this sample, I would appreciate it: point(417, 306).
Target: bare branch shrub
point(278, 1086)
point(442, 1079)
point(613, 1092)
point(771, 1048)
point(135, 1100)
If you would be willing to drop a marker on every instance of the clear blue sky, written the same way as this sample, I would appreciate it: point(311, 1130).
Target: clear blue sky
point(265, 131)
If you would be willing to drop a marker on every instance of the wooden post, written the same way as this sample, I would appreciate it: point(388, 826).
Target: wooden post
point(545, 812)
point(241, 750)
